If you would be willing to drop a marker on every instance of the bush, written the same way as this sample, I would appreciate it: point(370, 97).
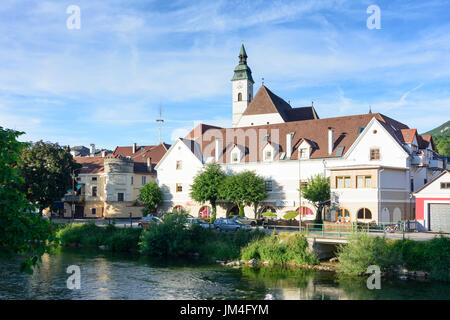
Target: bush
point(284, 249)
point(90, 235)
point(362, 251)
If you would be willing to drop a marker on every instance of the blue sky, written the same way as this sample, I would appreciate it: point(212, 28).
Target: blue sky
point(104, 83)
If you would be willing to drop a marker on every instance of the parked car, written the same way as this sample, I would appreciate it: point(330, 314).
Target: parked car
point(148, 220)
point(200, 222)
point(245, 220)
point(229, 225)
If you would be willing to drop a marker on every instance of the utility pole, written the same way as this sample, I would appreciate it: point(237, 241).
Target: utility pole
point(72, 208)
point(160, 121)
point(299, 195)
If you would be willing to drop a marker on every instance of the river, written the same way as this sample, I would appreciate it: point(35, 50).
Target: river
point(118, 276)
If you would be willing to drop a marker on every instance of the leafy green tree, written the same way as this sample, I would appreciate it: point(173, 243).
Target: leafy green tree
point(47, 169)
point(207, 184)
point(245, 188)
point(443, 146)
point(22, 230)
point(151, 195)
point(317, 191)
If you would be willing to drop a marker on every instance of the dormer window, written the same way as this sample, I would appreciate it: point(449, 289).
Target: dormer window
point(303, 153)
point(268, 153)
point(235, 155)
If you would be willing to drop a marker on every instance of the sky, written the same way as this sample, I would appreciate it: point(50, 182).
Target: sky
point(105, 82)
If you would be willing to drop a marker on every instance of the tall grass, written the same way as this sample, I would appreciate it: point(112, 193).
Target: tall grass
point(281, 250)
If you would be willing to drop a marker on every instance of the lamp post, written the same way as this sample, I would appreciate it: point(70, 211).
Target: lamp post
point(72, 208)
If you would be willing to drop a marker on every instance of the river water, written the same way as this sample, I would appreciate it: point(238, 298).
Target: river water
point(113, 276)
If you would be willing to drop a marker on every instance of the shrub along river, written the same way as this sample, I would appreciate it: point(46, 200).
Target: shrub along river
point(118, 276)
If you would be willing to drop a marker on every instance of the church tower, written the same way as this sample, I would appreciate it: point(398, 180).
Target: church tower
point(242, 84)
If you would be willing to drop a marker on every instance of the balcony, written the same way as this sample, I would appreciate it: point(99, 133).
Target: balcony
point(75, 199)
point(436, 163)
point(419, 160)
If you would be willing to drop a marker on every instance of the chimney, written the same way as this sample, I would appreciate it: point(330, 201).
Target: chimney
point(149, 164)
point(92, 150)
point(134, 147)
point(330, 140)
point(218, 149)
point(103, 153)
point(289, 144)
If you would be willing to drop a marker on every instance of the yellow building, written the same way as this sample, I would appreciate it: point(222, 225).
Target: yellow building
point(108, 186)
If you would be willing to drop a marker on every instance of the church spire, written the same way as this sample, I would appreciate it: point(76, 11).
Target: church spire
point(242, 71)
point(243, 56)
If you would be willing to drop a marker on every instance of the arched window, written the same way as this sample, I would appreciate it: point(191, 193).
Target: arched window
point(343, 215)
point(233, 211)
point(364, 214)
point(204, 212)
point(249, 97)
point(239, 96)
point(305, 211)
point(177, 209)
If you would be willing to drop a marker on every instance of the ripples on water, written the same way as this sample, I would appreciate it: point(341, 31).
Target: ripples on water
point(111, 276)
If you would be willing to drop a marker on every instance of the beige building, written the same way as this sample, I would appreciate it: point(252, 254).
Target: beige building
point(108, 187)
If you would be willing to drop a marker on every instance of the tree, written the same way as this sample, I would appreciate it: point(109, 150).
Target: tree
point(317, 191)
point(207, 184)
point(151, 195)
point(245, 188)
point(22, 230)
point(443, 146)
point(47, 169)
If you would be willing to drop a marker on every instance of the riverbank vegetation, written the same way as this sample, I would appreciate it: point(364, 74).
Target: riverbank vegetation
point(363, 250)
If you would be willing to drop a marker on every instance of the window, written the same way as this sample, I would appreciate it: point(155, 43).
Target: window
point(342, 182)
point(364, 214)
point(249, 97)
point(445, 185)
point(144, 180)
point(302, 184)
point(239, 96)
point(132, 180)
point(94, 211)
point(303, 153)
point(375, 154)
point(268, 155)
point(120, 197)
point(94, 191)
point(178, 165)
point(363, 181)
point(235, 157)
point(412, 184)
point(94, 178)
point(425, 181)
point(343, 215)
point(268, 185)
point(179, 187)
point(204, 212)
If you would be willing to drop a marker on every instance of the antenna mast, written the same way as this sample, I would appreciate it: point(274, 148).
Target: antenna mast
point(160, 121)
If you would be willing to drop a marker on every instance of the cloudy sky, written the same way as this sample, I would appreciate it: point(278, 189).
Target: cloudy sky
point(103, 83)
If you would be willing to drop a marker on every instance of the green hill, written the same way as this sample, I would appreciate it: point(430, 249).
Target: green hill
point(441, 138)
point(443, 129)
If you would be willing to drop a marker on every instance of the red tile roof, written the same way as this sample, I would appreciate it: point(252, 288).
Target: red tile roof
point(90, 165)
point(143, 152)
point(407, 135)
point(265, 101)
point(346, 130)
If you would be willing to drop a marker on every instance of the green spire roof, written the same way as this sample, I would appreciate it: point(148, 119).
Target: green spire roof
point(242, 71)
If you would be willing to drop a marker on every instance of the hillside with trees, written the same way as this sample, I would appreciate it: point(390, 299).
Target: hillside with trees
point(441, 137)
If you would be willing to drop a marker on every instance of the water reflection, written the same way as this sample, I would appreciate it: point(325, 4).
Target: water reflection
point(113, 276)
